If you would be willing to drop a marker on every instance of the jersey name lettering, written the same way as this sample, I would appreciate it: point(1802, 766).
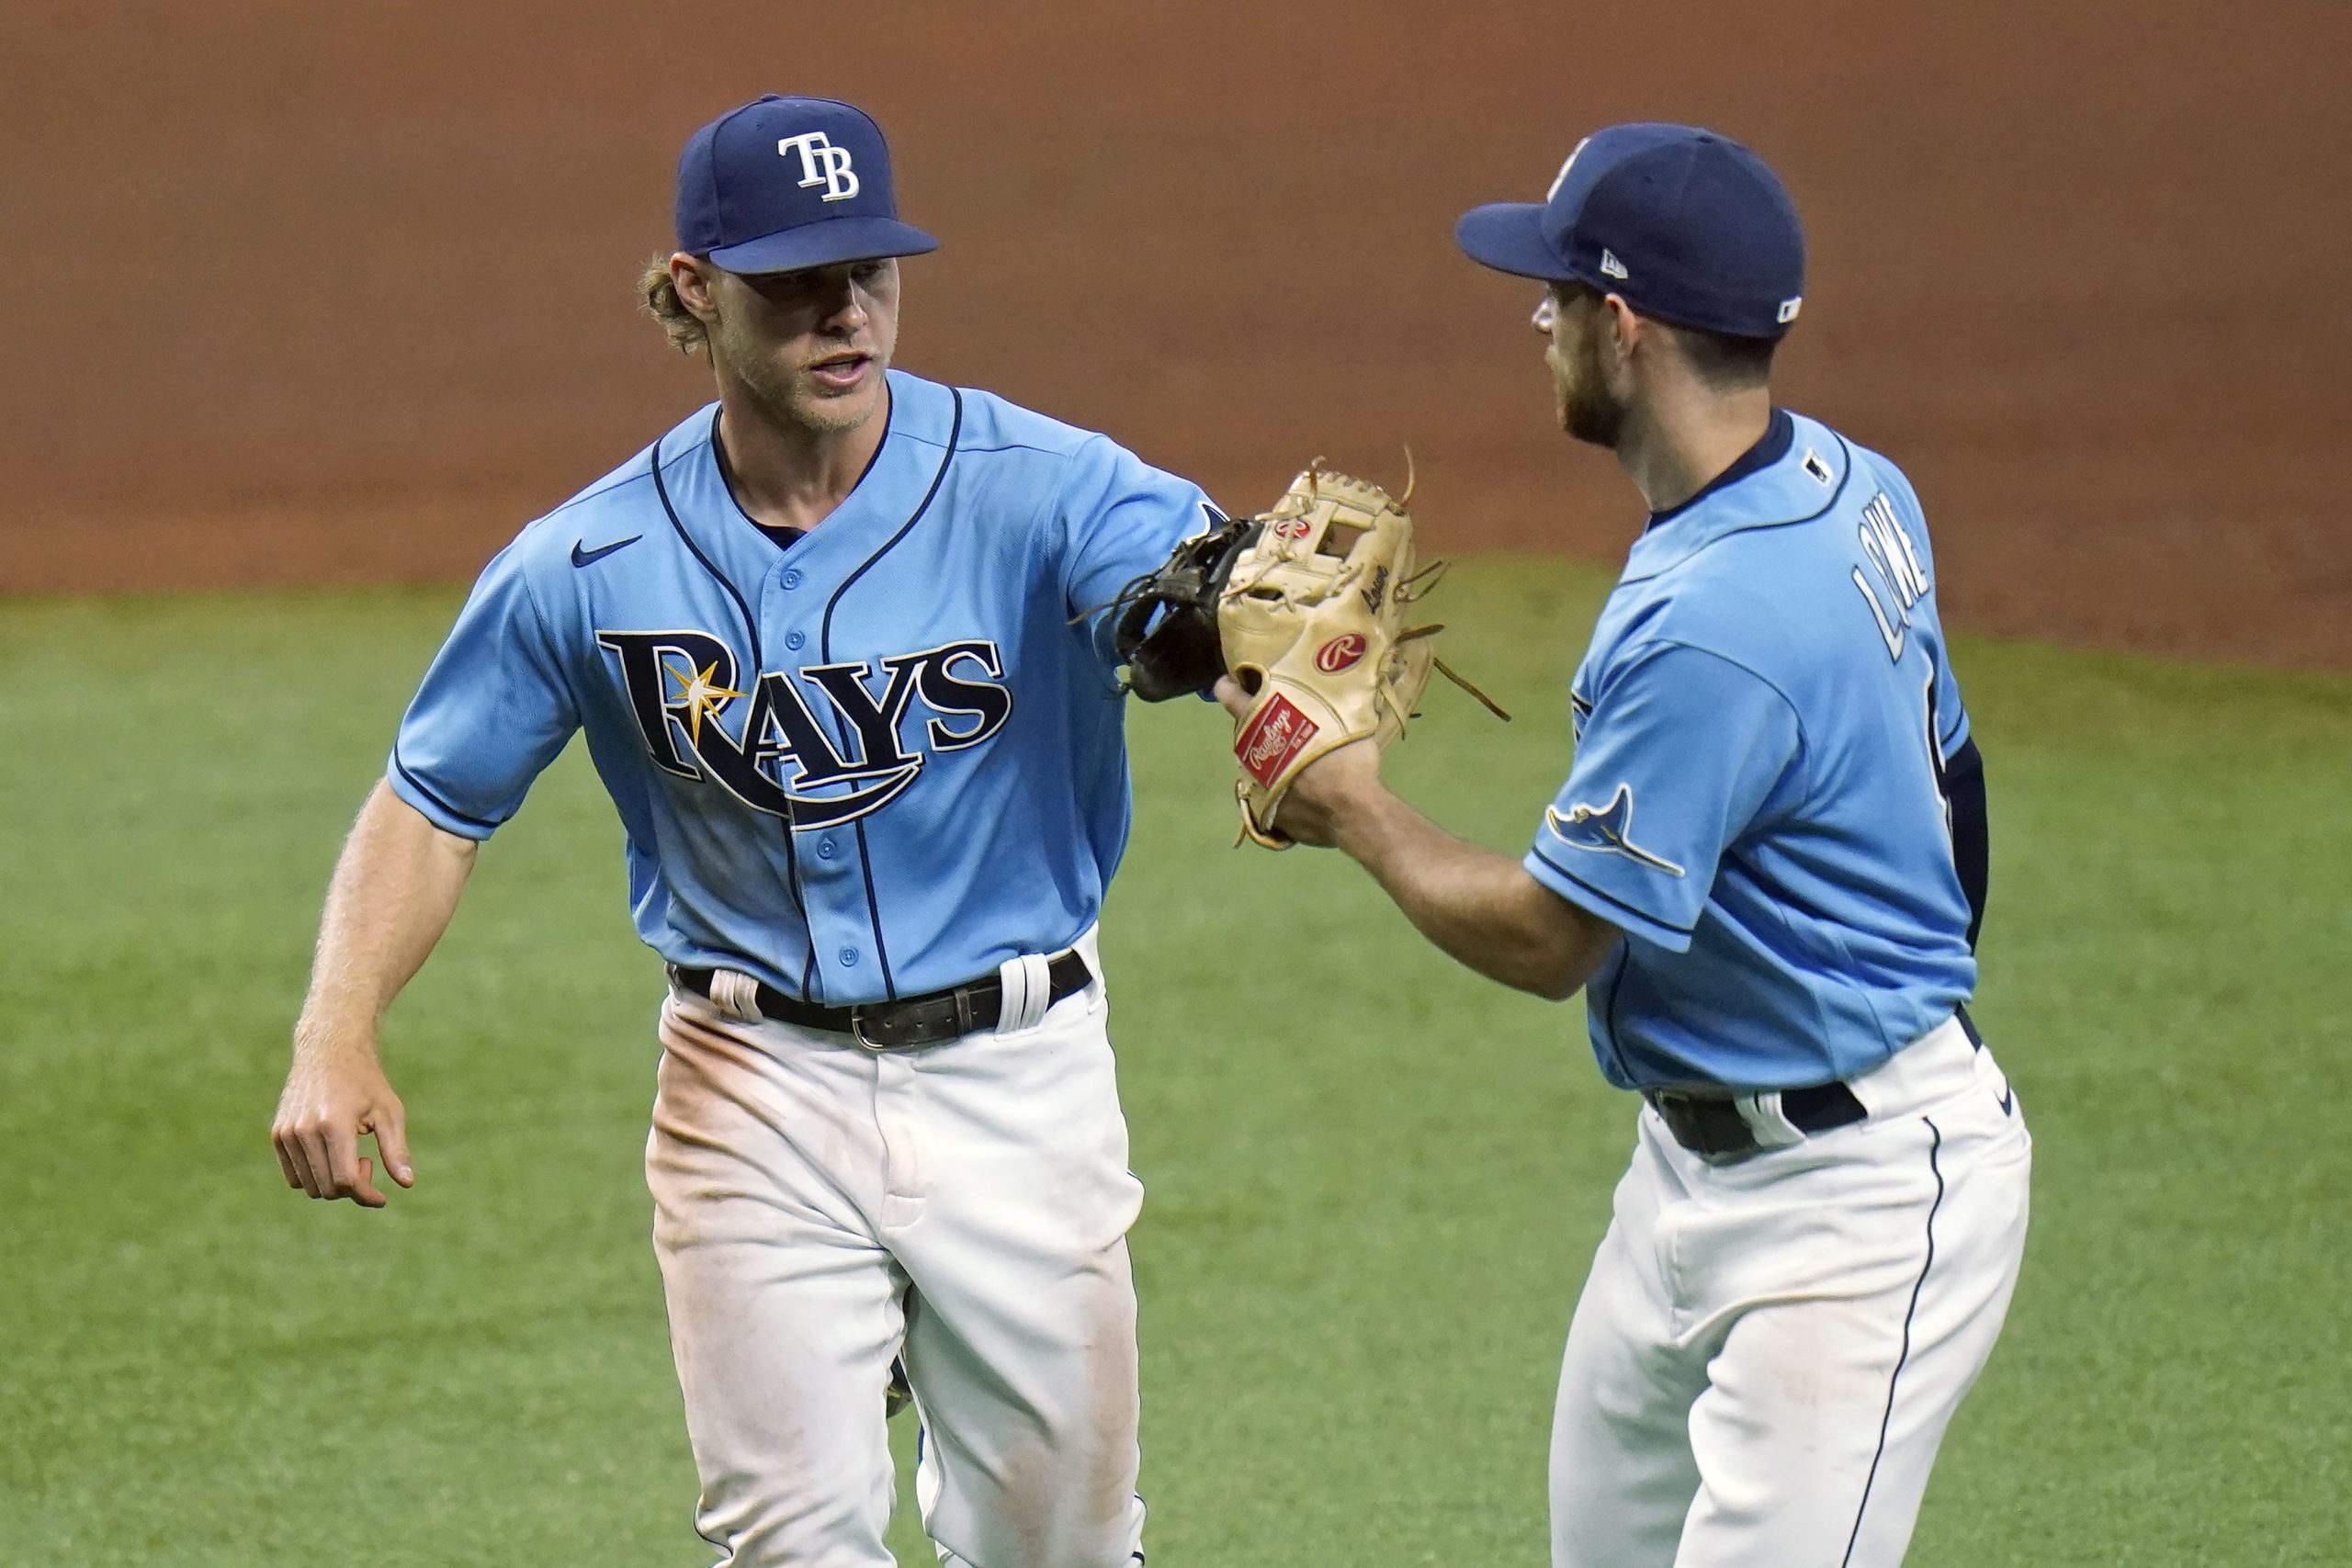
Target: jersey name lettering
point(681, 687)
point(1889, 551)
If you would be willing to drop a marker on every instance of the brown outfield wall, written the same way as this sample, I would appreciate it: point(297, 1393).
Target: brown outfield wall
point(302, 294)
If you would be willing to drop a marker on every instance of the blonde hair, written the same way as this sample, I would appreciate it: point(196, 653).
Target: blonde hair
point(662, 304)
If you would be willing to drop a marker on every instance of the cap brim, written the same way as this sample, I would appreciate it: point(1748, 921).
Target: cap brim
point(1508, 237)
point(826, 244)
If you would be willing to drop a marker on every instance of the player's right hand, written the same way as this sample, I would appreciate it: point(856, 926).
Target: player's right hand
point(1326, 792)
point(333, 1097)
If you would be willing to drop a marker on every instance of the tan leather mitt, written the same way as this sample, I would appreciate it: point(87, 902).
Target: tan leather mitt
point(1312, 623)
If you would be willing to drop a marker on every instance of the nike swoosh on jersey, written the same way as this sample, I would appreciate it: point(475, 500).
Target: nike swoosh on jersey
point(1605, 830)
point(590, 557)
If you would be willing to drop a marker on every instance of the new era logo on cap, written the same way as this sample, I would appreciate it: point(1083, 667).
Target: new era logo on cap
point(1721, 246)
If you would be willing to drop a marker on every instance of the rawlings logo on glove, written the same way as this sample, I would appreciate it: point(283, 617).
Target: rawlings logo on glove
point(1340, 653)
point(1272, 738)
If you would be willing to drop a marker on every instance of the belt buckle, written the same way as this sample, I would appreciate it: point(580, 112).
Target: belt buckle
point(858, 1032)
point(859, 1013)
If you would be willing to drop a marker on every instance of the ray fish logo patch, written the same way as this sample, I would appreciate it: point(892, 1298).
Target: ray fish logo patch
point(1605, 830)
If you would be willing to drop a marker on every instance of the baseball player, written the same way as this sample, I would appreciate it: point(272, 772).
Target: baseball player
point(1766, 871)
point(828, 641)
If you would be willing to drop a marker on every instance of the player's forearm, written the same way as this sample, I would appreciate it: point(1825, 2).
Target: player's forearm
point(394, 890)
point(1479, 908)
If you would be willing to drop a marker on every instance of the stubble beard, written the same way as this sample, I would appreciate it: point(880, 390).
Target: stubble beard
point(1588, 412)
point(781, 394)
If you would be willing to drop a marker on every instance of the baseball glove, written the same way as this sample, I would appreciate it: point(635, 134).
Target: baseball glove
point(1305, 606)
point(1165, 633)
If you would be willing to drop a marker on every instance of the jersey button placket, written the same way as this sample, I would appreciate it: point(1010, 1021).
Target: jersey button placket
point(820, 857)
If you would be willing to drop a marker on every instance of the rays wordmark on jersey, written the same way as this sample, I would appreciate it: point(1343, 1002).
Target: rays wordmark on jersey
point(767, 745)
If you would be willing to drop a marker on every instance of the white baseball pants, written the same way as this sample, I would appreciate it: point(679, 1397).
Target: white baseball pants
point(819, 1207)
point(1768, 1351)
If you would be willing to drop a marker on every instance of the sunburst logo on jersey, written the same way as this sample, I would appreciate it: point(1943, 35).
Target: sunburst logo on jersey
point(699, 692)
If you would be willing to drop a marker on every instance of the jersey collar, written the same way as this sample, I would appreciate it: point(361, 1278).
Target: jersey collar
point(1769, 449)
point(922, 413)
point(1794, 474)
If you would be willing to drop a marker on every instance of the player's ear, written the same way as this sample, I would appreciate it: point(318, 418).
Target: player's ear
point(692, 277)
point(1614, 323)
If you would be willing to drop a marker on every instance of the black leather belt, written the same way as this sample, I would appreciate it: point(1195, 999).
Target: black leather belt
point(911, 1022)
point(1711, 1125)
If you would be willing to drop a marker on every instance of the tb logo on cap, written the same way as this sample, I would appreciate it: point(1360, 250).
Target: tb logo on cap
point(822, 164)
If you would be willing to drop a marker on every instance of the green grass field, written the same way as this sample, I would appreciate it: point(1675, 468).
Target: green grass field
point(1370, 1208)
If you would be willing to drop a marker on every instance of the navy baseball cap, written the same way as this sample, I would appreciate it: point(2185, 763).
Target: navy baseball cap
point(1685, 225)
point(782, 184)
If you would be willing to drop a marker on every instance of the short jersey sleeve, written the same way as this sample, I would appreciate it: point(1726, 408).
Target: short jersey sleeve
point(1119, 519)
point(494, 710)
point(1679, 750)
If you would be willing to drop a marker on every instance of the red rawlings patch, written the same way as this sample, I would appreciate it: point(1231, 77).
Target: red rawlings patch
point(1292, 528)
point(1275, 735)
point(1340, 653)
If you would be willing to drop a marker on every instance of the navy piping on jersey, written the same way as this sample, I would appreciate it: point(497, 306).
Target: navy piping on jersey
point(825, 652)
point(1779, 434)
point(606, 489)
point(1617, 1000)
point(782, 536)
point(1611, 897)
point(873, 914)
point(1843, 480)
point(1936, 1133)
point(955, 429)
point(752, 630)
point(433, 795)
point(742, 607)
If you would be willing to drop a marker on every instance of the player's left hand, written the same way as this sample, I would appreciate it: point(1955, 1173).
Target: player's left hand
point(1313, 810)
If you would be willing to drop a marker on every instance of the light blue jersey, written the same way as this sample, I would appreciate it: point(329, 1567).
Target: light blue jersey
point(876, 764)
point(1756, 795)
